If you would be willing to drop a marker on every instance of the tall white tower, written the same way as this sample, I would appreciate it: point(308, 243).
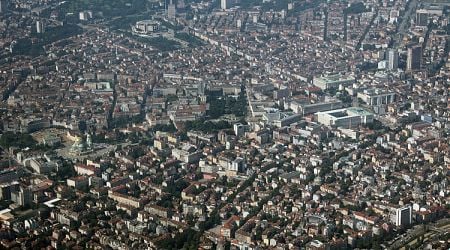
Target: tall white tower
point(392, 59)
point(223, 4)
point(171, 10)
point(403, 216)
point(39, 27)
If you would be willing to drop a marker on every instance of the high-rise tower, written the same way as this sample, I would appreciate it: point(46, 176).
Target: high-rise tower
point(414, 60)
point(224, 4)
point(171, 10)
point(392, 58)
point(40, 27)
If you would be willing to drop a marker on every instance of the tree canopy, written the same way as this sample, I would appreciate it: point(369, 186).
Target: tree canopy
point(10, 139)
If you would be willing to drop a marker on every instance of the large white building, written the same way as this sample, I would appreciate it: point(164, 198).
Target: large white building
point(280, 119)
point(311, 108)
point(345, 118)
point(171, 10)
point(333, 81)
point(239, 129)
point(40, 27)
point(403, 216)
point(376, 97)
point(39, 165)
point(82, 169)
point(392, 59)
point(188, 154)
point(85, 15)
point(146, 27)
point(223, 4)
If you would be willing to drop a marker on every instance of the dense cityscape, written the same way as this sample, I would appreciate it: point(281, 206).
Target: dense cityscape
point(224, 124)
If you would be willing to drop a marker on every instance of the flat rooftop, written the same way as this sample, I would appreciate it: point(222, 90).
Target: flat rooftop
point(358, 111)
point(335, 78)
point(347, 112)
point(339, 114)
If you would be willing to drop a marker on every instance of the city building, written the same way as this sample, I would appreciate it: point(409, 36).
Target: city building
point(376, 97)
point(345, 118)
point(239, 129)
point(39, 165)
point(280, 94)
point(280, 119)
point(79, 182)
point(333, 81)
point(311, 108)
point(85, 15)
point(414, 58)
point(22, 197)
point(146, 27)
point(224, 4)
point(392, 59)
point(171, 10)
point(403, 216)
point(40, 27)
point(187, 153)
point(422, 17)
point(82, 169)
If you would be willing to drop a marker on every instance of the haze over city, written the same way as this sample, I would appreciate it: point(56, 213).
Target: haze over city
point(224, 124)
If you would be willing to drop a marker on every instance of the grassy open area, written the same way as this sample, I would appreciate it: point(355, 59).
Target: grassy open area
point(10, 139)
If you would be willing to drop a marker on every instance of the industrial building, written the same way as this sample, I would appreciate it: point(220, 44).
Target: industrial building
point(345, 118)
point(333, 81)
point(376, 97)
